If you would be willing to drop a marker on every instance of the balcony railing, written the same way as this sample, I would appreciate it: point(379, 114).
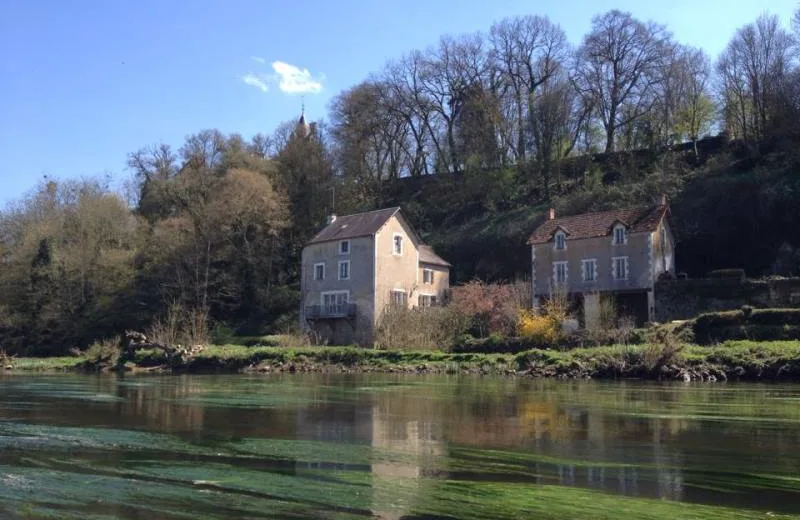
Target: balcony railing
point(341, 310)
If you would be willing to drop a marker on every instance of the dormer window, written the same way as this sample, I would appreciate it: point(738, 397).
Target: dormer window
point(561, 240)
point(620, 236)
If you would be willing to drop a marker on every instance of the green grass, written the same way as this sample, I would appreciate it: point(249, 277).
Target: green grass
point(47, 364)
point(733, 359)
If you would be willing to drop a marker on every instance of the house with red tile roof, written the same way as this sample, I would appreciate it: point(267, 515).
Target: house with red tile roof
point(360, 264)
point(615, 254)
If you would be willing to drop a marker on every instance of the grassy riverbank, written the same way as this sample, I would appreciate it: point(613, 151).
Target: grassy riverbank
point(746, 360)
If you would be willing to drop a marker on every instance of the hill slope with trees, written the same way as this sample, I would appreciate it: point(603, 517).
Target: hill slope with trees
point(475, 137)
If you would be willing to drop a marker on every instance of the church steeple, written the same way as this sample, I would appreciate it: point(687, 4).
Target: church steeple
point(302, 129)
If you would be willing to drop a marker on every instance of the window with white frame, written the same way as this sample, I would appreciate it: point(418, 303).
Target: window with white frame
point(344, 247)
point(427, 300)
point(335, 302)
point(344, 270)
point(561, 240)
point(619, 267)
point(619, 235)
point(399, 298)
point(560, 272)
point(319, 271)
point(397, 244)
point(427, 276)
point(589, 269)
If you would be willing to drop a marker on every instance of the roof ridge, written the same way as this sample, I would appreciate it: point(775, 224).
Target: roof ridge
point(370, 211)
point(627, 208)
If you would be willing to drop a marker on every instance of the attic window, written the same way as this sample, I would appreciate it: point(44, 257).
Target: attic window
point(561, 240)
point(397, 244)
point(620, 237)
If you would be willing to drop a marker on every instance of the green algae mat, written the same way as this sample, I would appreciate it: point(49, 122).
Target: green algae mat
point(391, 446)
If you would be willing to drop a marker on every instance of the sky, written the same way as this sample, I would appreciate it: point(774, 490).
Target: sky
point(84, 83)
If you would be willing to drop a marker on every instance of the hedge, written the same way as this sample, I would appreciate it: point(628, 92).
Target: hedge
point(757, 324)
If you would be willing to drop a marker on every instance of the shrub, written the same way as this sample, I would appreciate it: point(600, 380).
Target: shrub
point(106, 351)
point(491, 308)
point(420, 328)
point(180, 326)
point(758, 324)
point(737, 274)
point(494, 344)
point(541, 330)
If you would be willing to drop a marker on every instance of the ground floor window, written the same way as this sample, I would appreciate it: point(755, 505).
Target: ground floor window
point(427, 300)
point(399, 298)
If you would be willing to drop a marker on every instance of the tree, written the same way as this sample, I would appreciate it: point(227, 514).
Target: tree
point(616, 69)
point(752, 70)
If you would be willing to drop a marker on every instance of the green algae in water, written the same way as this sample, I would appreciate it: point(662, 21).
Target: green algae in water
point(415, 447)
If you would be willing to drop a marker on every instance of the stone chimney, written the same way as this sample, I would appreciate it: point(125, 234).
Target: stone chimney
point(331, 219)
point(551, 215)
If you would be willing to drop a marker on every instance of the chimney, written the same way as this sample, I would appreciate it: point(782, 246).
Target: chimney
point(663, 199)
point(551, 215)
point(331, 219)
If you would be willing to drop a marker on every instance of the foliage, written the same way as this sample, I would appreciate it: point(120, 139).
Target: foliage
point(180, 326)
point(756, 324)
point(539, 329)
point(420, 328)
point(491, 307)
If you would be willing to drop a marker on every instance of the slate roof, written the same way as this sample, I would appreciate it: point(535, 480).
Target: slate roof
point(598, 224)
point(354, 226)
point(427, 256)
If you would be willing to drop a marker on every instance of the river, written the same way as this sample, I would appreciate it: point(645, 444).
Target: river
point(386, 446)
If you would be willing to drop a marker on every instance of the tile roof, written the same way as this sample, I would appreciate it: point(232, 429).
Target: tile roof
point(353, 226)
point(598, 224)
point(427, 256)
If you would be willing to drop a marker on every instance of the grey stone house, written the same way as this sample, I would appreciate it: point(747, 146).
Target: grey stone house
point(591, 256)
point(358, 265)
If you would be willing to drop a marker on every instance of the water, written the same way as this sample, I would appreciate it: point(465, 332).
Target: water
point(312, 446)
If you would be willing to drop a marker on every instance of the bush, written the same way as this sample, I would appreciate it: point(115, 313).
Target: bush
point(737, 274)
point(420, 328)
point(491, 308)
point(494, 344)
point(538, 329)
point(757, 324)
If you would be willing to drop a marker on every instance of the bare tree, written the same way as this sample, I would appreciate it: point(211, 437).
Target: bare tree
point(616, 69)
point(528, 51)
point(751, 71)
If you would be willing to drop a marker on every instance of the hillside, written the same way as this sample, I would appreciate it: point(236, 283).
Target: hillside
point(732, 206)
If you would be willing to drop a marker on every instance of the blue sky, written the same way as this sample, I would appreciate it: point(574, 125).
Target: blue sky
point(83, 83)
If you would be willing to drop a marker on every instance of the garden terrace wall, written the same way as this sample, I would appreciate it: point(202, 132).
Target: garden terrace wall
point(685, 299)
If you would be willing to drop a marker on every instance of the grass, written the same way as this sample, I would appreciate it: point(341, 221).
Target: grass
point(748, 360)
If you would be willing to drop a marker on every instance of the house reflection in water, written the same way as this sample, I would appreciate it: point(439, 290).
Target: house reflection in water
point(415, 440)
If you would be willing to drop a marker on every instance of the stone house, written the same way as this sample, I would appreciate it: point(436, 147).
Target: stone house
point(593, 256)
point(358, 265)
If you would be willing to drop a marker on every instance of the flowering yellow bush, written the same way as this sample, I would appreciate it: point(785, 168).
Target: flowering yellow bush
point(538, 329)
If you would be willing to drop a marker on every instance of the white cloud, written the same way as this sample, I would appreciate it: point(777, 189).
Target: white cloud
point(289, 78)
point(294, 80)
point(260, 81)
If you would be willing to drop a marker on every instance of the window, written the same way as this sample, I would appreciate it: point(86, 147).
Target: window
point(427, 300)
point(344, 247)
point(560, 272)
point(399, 298)
point(335, 302)
point(397, 244)
point(427, 276)
point(319, 271)
point(619, 267)
point(561, 240)
point(344, 270)
point(619, 235)
point(589, 270)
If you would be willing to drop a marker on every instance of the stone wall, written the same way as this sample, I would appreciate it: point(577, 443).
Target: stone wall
point(685, 299)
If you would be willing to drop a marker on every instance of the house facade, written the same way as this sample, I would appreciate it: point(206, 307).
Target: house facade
point(594, 256)
point(357, 266)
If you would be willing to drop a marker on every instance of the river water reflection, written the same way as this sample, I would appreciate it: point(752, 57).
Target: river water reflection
point(314, 446)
